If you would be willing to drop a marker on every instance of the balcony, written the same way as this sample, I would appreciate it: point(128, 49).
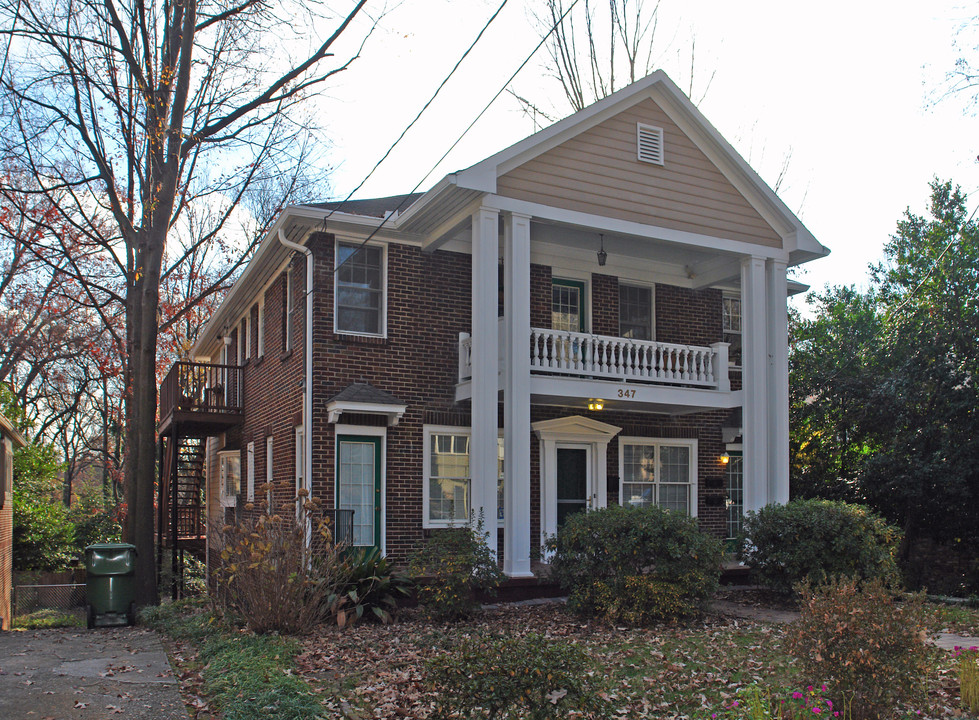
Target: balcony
point(573, 368)
point(203, 399)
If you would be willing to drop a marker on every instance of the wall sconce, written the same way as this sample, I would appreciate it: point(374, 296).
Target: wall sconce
point(725, 458)
point(596, 404)
point(602, 255)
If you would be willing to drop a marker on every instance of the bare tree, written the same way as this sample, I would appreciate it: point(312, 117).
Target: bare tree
point(128, 114)
point(599, 47)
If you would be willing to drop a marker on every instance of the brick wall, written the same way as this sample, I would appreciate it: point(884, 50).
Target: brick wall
point(428, 304)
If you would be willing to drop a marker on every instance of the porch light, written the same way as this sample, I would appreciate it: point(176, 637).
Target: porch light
point(602, 256)
point(725, 458)
point(596, 404)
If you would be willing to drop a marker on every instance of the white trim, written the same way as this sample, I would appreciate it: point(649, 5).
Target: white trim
point(574, 430)
point(260, 330)
point(427, 432)
point(300, 464)
point(250, 473)
point(269, 475)
point(224, 459)
point(289, 309)
point(394, 413)
point(383, 310)
point(658, 442)
point(369, 431)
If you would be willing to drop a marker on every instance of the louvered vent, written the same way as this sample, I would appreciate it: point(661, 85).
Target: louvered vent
point(650, 143)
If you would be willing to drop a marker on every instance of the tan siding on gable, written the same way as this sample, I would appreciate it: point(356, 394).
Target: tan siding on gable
point(597, 172)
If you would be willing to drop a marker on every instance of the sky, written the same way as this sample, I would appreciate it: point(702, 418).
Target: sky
point(848, 94)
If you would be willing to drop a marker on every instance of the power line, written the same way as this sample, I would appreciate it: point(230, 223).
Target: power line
point(459, 139)
point(420, 112)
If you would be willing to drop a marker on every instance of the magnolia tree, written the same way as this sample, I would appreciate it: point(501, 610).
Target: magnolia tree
point(129, 116)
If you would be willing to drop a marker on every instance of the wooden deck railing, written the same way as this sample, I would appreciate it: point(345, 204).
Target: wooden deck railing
point(201, 387)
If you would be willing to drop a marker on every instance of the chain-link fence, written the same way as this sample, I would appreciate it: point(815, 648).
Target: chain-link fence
point(28, 599)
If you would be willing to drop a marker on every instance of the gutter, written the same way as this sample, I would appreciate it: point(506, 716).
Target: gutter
point(308, 394)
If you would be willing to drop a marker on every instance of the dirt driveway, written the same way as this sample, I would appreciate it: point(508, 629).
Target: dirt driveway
point(86, 674)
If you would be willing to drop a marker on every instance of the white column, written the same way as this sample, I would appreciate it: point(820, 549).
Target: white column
point(516, 395)
point(485, 368)
point(778, 382)
point(754, 374)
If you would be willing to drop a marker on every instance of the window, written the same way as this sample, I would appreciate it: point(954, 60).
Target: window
point(359, 289)
point(568, 305)
point(300, 467)
point(261, 327)
point(287, 308)
point(243, 349)
point(268, 472)
point(447, 478)
point(659, 472)
point(735, 495)
point(635, 312)
point(250, 470)
point(230, 477)
point(731, 325)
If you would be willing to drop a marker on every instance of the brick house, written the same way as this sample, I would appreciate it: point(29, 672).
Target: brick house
point(10, 440)
point(594, 315)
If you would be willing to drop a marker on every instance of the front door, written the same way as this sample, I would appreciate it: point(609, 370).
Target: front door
point(359, 485)
point(572, 482)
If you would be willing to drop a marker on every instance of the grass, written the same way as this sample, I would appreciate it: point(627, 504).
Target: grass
point(669, 671)
point(241, 675)
point(43, 619)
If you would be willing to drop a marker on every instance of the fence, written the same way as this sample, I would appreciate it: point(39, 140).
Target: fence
point(28, 599)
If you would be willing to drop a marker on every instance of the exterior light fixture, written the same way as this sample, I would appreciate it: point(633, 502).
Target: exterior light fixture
point(602, 255)
point(596, 404)
point(725, 458)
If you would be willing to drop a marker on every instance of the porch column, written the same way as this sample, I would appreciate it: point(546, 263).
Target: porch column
point(754, 374)
point(485, 369)
point(516, 395)
point(778, 382)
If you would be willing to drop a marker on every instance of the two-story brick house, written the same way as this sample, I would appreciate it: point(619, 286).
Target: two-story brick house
point(594, 315)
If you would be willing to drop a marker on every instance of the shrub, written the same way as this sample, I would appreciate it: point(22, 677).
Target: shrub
point(816, 539)
point(635, 565)
point(371, 588)
point(44, 538)
point(449, 568)
point(268, 578)
point(868, 649)
point(531, 677)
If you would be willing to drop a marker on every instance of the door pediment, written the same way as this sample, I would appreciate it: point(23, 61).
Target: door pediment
point(575, 427)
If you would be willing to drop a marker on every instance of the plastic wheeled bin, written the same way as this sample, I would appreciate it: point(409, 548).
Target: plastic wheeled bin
point(110, 570)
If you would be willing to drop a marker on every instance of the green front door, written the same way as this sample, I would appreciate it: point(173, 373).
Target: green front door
point(572, 482)
point(359, 485)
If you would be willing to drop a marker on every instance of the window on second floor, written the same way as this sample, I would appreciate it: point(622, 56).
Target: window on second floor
point(359, 289)
point(288, 308)
point(731, 325)
point(567, 305)
point(635, 312)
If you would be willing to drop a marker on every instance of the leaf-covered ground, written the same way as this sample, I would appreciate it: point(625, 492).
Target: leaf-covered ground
point(672, 671)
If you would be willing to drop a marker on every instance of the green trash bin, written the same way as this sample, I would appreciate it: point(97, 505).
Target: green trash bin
point(110, 570)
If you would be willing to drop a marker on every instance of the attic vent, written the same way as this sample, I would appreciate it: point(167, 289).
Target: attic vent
point(650, 143)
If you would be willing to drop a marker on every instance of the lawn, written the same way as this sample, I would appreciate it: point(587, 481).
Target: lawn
point(689, 670)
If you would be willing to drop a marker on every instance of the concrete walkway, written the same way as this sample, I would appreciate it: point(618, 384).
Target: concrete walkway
point(86, 675)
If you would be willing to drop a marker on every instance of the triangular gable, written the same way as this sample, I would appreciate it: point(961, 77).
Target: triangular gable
point(597, 172)
point(575, 425)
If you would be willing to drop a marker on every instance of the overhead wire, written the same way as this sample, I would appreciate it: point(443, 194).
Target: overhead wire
point(452, 147)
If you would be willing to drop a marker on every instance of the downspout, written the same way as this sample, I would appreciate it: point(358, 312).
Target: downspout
point(308, 395)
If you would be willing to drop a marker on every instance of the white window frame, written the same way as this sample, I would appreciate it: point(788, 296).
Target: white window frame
point(300, 466)
point(430, 430)
point(287, 345)
point(658, 443)
point(226, 460)
point(383, 320)
point(728, 295)
point(269, 457)
point(250, 473)
point(652, 305)
point(261, 325)
point(247, 323)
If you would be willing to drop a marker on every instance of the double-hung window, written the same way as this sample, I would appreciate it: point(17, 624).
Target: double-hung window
point(230, 476)
point(359, 289)
point(635, 312)
point(659, 472)
point(731, 325)
point(448, 487)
